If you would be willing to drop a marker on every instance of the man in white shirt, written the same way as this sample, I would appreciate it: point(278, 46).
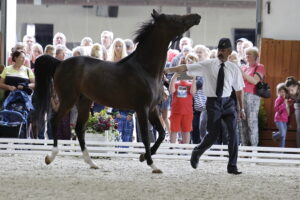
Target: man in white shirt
point(220, 77)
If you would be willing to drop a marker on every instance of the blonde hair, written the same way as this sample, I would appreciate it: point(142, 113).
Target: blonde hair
point(80, 50)
point(203, 49)
point(112, 53)
point(253, 50)
point(191, 57)
point(97, 51)
point(39, 47)
point(48, 49)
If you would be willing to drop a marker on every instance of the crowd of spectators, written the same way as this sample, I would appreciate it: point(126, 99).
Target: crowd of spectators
point(183, 112)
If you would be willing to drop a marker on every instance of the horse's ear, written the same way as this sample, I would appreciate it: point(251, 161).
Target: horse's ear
point(154, 14)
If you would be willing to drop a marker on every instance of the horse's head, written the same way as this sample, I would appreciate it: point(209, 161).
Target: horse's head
point(175, 24)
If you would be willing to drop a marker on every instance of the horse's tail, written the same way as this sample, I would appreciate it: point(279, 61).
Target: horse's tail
point(44, 71)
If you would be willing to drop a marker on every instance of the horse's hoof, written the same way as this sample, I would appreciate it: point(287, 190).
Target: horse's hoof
point(94, 167)
point(47, 160)
point(142, 158)
point(157, 171)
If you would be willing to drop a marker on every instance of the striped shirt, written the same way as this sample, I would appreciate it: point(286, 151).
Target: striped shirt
point(199, 100)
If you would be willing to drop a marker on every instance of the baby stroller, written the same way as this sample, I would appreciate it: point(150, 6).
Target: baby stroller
point(14, 118)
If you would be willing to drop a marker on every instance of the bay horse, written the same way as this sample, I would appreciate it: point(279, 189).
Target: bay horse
point(133, 83)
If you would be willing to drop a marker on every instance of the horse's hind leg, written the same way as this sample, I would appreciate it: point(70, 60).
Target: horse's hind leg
point(83, 107)
point(65, 106)
point(143, 122)
point(155, 121)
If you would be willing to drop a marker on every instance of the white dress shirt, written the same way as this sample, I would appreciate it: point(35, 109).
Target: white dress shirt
point(209, 70)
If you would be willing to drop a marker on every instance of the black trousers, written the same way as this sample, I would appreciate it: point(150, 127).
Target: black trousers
point(195, 133)
point(218, 110)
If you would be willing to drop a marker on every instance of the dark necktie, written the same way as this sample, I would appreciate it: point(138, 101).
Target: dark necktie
point(220, 81)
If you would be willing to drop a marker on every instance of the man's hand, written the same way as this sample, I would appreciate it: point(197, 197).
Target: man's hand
point(242, 114)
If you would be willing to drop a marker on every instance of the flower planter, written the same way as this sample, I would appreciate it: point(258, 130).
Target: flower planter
point(94, 137)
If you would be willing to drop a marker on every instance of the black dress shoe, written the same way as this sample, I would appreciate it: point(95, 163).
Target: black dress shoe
point(233, 171)
point(195, 158)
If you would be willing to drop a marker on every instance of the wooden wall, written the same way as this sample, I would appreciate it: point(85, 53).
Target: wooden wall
point(281, 59)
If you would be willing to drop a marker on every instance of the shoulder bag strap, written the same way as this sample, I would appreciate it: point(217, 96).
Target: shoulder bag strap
point(261, 79)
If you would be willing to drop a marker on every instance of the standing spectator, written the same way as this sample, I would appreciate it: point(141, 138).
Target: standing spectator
point(245, 45)
point(129, 46)
point(28, 41)
point(37, 50)
point(183, 42)
point(97, 51)
point(251, 73)
point(202, 52)
point(80, 51)
point(293, 87)
point(63, 128)
point(117, 50)
point(59, 39)
point(181, 108)
point(239, 49)
point(86, 44)
point(281, 114)
point(220, 76)
point(234, 58)
point(213, 53)
point(125, 124)
point(60, 52)
point(107, 38)
point(49, 50)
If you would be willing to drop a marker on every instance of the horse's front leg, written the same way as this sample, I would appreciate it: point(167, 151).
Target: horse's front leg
point(143, 122)
point(156, 122)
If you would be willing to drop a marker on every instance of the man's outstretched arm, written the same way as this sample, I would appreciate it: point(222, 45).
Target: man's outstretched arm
point(179, 68)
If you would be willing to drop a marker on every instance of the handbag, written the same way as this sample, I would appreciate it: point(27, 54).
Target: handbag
point(262, 88)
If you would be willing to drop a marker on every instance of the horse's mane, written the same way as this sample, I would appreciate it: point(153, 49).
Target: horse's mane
point(144, 31)
point(126, 58)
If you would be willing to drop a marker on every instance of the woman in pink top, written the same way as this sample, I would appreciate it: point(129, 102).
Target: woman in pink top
point(250, 72)
point(282, 113)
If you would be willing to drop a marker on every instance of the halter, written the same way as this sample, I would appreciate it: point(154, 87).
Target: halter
point(173, 41)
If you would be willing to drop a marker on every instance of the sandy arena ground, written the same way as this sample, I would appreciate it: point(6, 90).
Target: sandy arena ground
point(26, 177)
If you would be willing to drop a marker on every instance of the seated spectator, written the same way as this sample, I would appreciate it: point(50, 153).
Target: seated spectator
point(17, 76)
point(18, 47)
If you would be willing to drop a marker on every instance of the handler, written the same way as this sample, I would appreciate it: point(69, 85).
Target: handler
point(220, 77)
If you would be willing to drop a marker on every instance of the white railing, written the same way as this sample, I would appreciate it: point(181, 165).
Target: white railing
point(166, 150)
